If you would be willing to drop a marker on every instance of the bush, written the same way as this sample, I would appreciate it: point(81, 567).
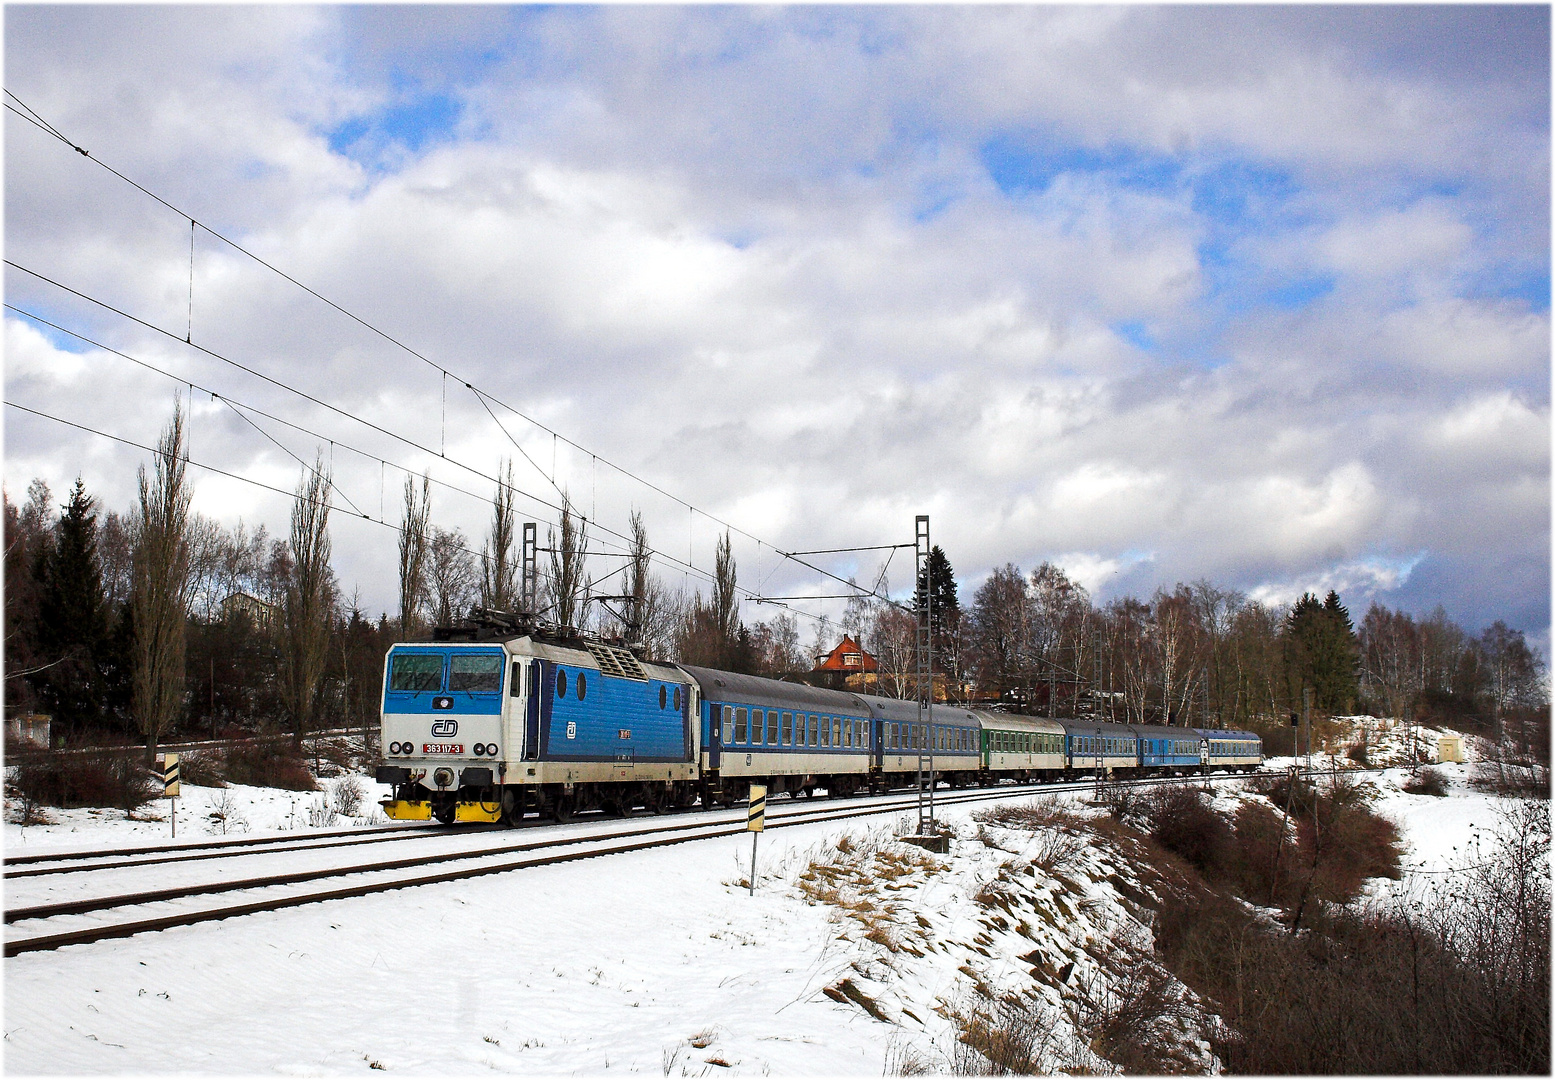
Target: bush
point(201, 768)
point(1360, 754)
point(1182, 822)
point(1427, 782)
point(267, 763)
point(346, 795)
point(69, 780)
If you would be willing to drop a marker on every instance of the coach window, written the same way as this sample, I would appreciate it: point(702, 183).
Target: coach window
point(788, 729)
point(677, 699)
point(772, 727)
point(739, 726)
point(758, 727)
point(728, 724)
point(561, 683)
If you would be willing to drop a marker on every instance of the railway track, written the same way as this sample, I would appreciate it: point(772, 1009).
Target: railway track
point(49, 924)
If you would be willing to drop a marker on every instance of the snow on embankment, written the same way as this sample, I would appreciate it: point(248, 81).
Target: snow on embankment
point(1029, 945)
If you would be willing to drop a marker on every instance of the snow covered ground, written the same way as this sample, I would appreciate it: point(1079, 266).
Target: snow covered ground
point(658, 962)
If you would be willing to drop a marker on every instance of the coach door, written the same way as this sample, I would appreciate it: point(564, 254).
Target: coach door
point(715, 739)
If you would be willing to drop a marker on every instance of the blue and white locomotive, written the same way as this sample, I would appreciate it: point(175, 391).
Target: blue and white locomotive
point(488, 726)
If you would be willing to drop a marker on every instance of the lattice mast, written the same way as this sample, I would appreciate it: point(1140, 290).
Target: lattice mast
point(529, 581)
point(925, 679)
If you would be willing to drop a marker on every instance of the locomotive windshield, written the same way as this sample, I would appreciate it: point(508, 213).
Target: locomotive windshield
point(416, 672)
point(476, 674)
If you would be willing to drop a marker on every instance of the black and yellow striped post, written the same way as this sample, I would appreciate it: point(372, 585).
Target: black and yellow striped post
point(168, 767)
point(755, 819)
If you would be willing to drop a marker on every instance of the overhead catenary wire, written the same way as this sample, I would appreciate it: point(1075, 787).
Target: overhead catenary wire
point(653, 554)
point(219, 471)
point(34, 118)
point(218, 396)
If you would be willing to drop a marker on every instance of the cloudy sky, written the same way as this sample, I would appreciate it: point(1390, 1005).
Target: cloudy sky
point(1258, 295)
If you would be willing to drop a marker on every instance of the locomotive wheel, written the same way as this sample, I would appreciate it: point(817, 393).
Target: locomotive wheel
point(653, 800)
point(512, 807)
point(561, 809)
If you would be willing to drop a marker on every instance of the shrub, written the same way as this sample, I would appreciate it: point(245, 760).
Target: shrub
point(201, 768)
point(74, 779)
point(1427, 782)
point(267, 763)
point(346, 796)
point(1182, 822)
point(225, 815)
point(1360, 754)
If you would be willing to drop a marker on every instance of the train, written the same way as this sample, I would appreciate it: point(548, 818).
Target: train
point(484, 724)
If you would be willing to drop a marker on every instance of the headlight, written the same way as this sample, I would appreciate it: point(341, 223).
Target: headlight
point(394, 748)
point(480, 749)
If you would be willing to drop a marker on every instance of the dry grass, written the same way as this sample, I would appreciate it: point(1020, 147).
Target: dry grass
point(853, 875)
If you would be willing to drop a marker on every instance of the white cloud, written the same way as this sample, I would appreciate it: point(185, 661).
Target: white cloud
point(755, 256)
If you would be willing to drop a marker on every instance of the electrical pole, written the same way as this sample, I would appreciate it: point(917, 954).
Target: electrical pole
point(925, 673)
point(1306, 722)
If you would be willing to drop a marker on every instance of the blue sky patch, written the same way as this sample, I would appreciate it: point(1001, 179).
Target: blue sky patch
point(415, 124)
point(1135, 334)
point(1020, 166)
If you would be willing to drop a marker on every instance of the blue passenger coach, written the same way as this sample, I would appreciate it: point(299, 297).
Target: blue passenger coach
point(786, 736)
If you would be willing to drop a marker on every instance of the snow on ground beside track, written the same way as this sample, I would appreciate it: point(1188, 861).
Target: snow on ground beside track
point(644, 962)
point(656, 962)
point(239, 810)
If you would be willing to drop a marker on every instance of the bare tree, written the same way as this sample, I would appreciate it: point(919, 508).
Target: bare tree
point(309, 600)
point(498, 570)
point(451, 576)
point(726, 604)
point(568, 582)
point(637, 580)
point(786, 655)
point(413, 551)
point(160, 580)
point(893, 642)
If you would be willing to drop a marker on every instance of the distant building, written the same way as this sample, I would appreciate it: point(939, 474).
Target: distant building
point(1449, 748)
point(264, 616)
point(848, 658)
point(30, 729)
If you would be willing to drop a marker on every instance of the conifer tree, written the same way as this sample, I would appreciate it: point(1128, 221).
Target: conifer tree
point(73, 624)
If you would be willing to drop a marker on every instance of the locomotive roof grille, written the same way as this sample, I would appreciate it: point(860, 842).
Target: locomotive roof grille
point(616, 661)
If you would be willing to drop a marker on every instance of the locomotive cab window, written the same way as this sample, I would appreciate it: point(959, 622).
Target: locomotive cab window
point(415, 673)
point(475, 674)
